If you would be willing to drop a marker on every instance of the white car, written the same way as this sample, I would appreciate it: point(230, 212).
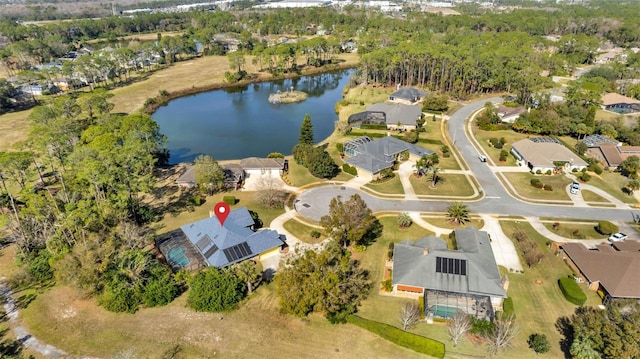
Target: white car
point(482, 158)
point(617, 237)
point(575, 188)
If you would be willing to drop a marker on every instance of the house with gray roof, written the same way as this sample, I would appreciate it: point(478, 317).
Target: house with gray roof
point(396, 116)
point(465, 279)
point(264, 166)
point(370, 157)
point(541, 153)
point(233, 176)
point(407, 95)
point(235, 241)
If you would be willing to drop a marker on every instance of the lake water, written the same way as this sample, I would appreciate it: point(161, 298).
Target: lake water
point(240, 122)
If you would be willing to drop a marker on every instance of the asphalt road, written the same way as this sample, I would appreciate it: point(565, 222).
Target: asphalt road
point(314, 202)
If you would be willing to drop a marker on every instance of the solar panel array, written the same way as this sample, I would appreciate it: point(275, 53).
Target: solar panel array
point(204, 242)
point(544, 139)
point(451, 266)
point(238, 251)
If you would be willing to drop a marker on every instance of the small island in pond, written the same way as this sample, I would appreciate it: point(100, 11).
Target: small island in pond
point(287, 97)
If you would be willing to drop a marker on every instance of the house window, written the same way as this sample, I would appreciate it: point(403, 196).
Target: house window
point(451, 266)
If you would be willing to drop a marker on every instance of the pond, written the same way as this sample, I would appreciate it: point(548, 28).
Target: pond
point(239, 122)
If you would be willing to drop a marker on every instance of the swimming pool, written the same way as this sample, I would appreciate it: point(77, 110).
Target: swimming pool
point(177, 257)
point(443, 311)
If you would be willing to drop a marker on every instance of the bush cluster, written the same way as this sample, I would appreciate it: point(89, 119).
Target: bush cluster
point(497, 143)
point(316, 159)
point(606, 227)
point(572, 291)
point(230, 200)
point(349, 169)
point(411, 341)
point(529, 248)
point(507, 307)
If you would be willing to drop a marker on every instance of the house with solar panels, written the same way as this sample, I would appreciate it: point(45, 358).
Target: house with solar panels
point(235, 241)
point(464, 279)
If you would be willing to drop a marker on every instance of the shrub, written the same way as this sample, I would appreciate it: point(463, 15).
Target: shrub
point(390, 251)
point(340, 147)
point(572, 291)
point(230, 200)
point(538, 343)
point(548, 172)
point(349, 169)
point(507, 307)
point(387, 285)
point(585, 177)
point(548, 187)
point(195, 200)
point(574, 170)
point(536, 183)
point(119, 297)
point(503, 155)
point(315, 234)
point(556, 225)
point(215, 290)
point(606, 227)
point(411, 137)
point(480, 326)
point(497, 143)
point(395, 335)
point(421, 306)
point(538, 172)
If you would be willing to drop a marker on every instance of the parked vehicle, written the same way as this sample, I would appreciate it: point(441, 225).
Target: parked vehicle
point(575, 188)
point(617, 237)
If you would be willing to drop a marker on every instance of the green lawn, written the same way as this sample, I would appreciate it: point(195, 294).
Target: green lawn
point(444, 222)
point(522, 183)
point(14, 127)
point(303, 231)
point(612, 183)
point(451, 185)
point(592, 196)
point(567, 230)
point(483, 138)
point(392, 186)
point(538, 306)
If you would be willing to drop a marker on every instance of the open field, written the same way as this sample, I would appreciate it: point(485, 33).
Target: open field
point(522, 183)
point(450, 185)
point(14, 127)
point(538, 306)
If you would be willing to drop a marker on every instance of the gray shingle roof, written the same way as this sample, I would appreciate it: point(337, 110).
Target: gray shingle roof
point(408, 93)
point(379, 154)
point(394, 113)
point(411, 266)
point(214, 241)
point(541, 154)
point(595, 140)
point(256, 163)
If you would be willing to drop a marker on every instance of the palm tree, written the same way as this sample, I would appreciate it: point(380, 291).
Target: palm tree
point(404, 221)
point(458, 213)
point(434, 170)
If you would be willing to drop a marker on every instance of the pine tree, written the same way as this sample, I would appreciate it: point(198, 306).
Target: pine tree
point(306, 131)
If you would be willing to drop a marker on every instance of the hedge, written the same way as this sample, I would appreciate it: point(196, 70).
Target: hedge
point(507, 307)
point(349, 169)
point(230, 200)
point(395, 335)
point(373, 126)
point(572, 291)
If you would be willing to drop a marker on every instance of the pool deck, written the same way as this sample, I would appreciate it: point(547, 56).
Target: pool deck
point(175, 239)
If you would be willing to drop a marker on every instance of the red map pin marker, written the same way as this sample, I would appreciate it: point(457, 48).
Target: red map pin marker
point(222, 211)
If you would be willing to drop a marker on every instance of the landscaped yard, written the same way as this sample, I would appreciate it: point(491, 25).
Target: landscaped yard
point(522, 183)
point(391, 186)
point(510, 137)
point(444, 222)
point(538, 305)
point(451, 185)
point(575, 230)
point(612, 183)
point(303, 231)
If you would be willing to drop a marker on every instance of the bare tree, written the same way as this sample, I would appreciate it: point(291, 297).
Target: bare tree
point(503, 333)
point(270, 192)
point(459, 326)
point(409, 315)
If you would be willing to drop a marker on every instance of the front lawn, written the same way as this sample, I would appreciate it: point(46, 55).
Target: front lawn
point(451, 185)
point(303, 231)
point(390, 186)
point(510, 137)
point(575, 230)
point(537, 299)
point(522, 183)
point(613, 183)
point(444, 222)
point(589, 196)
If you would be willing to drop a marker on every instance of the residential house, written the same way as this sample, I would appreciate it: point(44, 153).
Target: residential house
point(609, 152)
point(407, 95)
point(542, 153)
point(235, 241)
point(510, 114)
point(264, 166)
point(619, 104)
point(371, 157)
point(395, 116)
point(465, 279)
point(233, 176)
point(610, 269)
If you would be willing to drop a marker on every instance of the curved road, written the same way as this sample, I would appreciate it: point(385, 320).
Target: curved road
point(314, 202)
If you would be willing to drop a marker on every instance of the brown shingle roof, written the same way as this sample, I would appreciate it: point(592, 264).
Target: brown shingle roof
point(611, 154)
point(616, 270)
point(614, 98)
point(541, 154)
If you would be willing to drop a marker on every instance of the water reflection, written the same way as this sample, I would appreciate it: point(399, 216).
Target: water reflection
point(239, 122)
